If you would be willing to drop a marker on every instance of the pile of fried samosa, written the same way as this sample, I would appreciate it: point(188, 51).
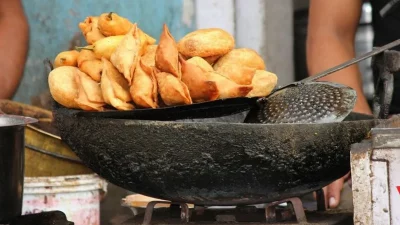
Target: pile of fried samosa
point(124, 68)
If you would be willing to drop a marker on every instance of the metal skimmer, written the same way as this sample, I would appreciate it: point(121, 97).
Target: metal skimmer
point(307, 101)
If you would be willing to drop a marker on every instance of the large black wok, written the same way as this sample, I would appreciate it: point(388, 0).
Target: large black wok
point(213, 163)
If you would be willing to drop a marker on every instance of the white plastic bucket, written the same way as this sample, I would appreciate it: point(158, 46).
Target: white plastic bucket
point(76, 196)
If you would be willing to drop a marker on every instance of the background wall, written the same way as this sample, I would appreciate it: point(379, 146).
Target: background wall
point(265, 26)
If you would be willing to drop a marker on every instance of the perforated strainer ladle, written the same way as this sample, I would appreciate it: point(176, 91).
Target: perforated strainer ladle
point(307, 101)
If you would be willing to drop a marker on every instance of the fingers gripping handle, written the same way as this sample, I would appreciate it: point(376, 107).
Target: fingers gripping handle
point(384, 66)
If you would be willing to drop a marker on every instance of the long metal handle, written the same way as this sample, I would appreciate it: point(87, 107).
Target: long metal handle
point(54, 154)
point(351, 62)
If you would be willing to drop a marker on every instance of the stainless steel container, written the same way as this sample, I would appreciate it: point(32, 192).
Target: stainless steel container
point(12, 135)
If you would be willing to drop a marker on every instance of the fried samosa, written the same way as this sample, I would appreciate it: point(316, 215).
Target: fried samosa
point(201, 89)
point(144, 88)
point(263, 83)
point(171, 89)
point(148, 60)
point(111, 24)
point(66, 58)
point(115, 87)
point(167, 54)
point(126, 55)
point(63, 87)
point(90, 30)
point(200, 62)
point(211, 42)
point(145, 41)
point(227, 88)
point(93, 68)
point(237, 73)
point(212, 59)
point(243, 57)
point(90, 97)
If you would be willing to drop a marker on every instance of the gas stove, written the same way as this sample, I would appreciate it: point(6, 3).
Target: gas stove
point(288, 211)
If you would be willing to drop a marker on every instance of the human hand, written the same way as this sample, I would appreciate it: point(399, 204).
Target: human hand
point(333, 190)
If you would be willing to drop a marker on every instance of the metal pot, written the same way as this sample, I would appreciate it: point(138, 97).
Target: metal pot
point(12, 135)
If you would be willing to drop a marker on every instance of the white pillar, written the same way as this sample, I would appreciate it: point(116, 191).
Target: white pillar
point(216, 13)
point(267, 27)
point(263, 25)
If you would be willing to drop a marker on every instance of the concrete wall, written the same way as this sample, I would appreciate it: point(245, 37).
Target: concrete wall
point(265, 26)
point(54, 28)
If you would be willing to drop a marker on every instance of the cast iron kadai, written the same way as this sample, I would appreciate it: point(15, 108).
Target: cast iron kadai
point(216, 163)
point(213, 163)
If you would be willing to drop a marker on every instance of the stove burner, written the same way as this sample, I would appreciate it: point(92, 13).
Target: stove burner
point(271, 213)
point(44, 218)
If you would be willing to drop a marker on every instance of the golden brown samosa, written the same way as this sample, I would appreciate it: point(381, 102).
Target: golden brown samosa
point(93, 68)
point(144, 89)
point(212, 59)
point(201, 89)
point(63, 87)
point(145, 41)
point(200, 62)
point(263, 83)
point(126, 55)
point(115, 87)
point(90, 30)
point(167, 54)
point(148, 60)
point(227, 88)
point(90, 97)
point(206, 43)
point(237, 73)
point(241, 56)
point(171, 89)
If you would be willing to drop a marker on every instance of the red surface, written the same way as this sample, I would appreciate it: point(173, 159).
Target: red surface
point(398, 189)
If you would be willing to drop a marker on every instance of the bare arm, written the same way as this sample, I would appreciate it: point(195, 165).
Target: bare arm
point(331, 41)
point(14, 43)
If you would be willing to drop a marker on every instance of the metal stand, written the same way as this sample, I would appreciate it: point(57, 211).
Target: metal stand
point(272, 216)
point(150, 207)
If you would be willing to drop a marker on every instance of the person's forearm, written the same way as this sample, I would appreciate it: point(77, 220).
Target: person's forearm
point(14, 44)
point(326, 51)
